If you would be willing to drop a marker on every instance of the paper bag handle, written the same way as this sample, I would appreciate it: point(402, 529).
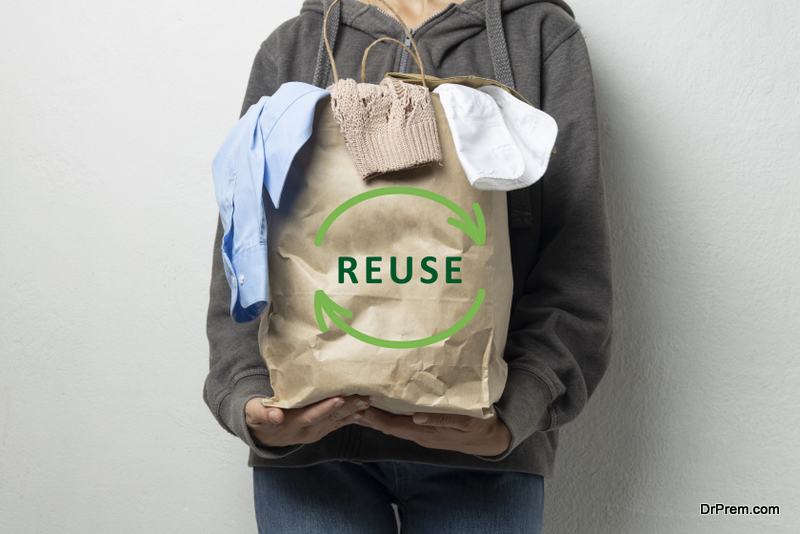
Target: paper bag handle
point(416, 55)
point(410, 53)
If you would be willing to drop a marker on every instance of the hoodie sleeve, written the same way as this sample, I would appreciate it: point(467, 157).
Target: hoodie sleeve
point(558, 341)
point(237, 373)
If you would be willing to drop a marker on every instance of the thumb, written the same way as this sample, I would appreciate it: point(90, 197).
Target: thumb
point(257, 413)
point(275, 415)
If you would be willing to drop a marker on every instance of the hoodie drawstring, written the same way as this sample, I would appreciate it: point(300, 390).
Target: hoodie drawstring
point(323, 68)
point(498, 47)
point(519, 200)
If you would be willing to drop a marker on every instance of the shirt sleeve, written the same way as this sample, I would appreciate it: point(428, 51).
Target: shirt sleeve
point(237, 372)
point(238, 170)
point(558, 341)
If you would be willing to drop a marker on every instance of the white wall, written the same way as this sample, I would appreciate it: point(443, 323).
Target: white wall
point(700, 104)
point(111, 113)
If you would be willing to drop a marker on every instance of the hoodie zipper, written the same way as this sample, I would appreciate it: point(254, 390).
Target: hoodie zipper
point(404, 57)
point(407, 41)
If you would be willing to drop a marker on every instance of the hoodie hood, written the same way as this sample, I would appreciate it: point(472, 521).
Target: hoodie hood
point(453, 25)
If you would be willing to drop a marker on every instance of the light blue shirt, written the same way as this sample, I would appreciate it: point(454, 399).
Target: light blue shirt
point(258, 151)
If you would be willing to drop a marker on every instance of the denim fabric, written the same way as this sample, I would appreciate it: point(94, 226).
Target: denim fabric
point(343, 497)
point(255, 155)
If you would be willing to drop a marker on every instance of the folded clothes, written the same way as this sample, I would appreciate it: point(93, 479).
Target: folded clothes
point(502, 143)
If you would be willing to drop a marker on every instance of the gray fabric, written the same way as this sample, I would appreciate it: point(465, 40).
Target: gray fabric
point(558, 341)
point(519, 200)
point(497, 43)
point(323, 69)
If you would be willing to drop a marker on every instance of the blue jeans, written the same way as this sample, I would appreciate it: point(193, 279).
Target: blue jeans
point(343, 497)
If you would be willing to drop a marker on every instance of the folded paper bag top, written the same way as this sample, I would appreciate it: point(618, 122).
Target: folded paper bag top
point(386, 127)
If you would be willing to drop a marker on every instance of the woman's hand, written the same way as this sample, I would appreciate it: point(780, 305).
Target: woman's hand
point(276, 427)
point(470, 435)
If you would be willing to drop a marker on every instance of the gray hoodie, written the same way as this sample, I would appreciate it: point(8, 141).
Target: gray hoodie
point(558, 340)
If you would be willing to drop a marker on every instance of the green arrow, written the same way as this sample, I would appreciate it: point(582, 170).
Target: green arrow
point(323, 303)
point(475, 229)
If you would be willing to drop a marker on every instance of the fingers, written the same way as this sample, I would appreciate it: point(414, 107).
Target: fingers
point(403, 425)
point(316, 412)
point(459, 422)
point(272, 426)
point(462, 433)
point(337, 409)
point(353, 418)
point(400, 426)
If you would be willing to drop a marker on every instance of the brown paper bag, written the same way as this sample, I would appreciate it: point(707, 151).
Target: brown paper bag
point(347, 317)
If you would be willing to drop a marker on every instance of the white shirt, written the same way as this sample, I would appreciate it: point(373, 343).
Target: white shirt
point(502, 142)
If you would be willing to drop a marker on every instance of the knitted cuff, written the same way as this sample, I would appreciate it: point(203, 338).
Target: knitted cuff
point(395, 150)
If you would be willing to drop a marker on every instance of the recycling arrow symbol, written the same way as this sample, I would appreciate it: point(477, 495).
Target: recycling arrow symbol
point(324, 304)
point(475, 229)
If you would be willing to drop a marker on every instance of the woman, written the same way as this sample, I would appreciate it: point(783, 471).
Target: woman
point(339, 465)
